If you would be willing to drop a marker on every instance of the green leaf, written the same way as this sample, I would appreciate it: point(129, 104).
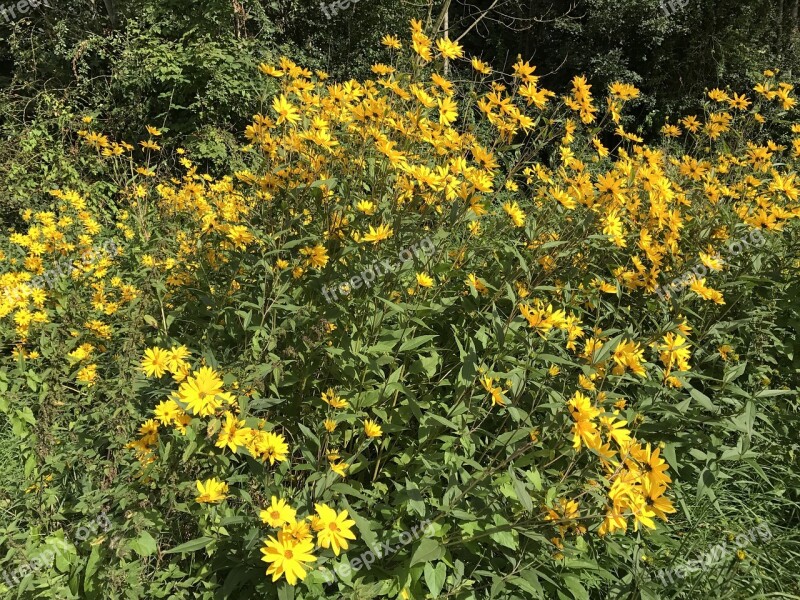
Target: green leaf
point(144, 545)
point(191, 545)
point(703, 400)
point(91, 568)
point(416, 342)
point(519, 488)
point(435, 577)
point(428, 550)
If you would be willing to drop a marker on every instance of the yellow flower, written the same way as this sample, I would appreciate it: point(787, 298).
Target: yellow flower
point(372, 429)
point(177, 359)
point(270, 70)
point(698, 286)
point(498, 399)
point(317, 256)
point(333, 400)
point(330, 425)
point(278, 513)
point(515, 212)
point(473, 281)
point(87, 375)
point(299, 531)
point(155, 362)
point(340, 468)
point(715, 263)
point(150, 145)
point(449, 49)
point(392, 42)
point(424, 280)
point(366, 207)
point(287, 557)
point(272, 447)
point(448, 110)
point(481, 67)
point(286, 112)
point(233, 433)
point(211, 491)
point(81, 352)
point(202, 392)
point(630, 355)
point(383, 232)
point(334, 530)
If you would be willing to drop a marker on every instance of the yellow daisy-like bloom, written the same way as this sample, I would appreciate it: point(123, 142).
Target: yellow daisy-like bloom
point(372, 429)
point(498, 399)
point(392, 42)
point(202, 392)
point(211, 491)
point(515, 212)
point(448, 110)
point(334, 530)
point(177, 358)
point(299, 531)
point(87, 375)
point(449, 48)
point(333, 400)
point(155, 362)
point(168, 412)
point(287, 557)
point(424, 280)
point(473, 281)
point(286, 112)
point(340, 468)
point(481, 67)
point(273, 447)
point(366, 207)
point(270, 70)
point(278, 513)
point(233, 433)
point(316, 256)
point(383, 232)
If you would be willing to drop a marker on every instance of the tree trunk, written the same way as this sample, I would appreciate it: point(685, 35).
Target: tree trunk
point(112, 13)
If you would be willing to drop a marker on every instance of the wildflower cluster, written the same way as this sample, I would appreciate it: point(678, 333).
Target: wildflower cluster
point(289, 552)
point(201, 394)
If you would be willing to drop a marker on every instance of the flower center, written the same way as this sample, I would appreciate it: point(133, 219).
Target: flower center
point(275, 514)
point(333, 527)
point(288, 554)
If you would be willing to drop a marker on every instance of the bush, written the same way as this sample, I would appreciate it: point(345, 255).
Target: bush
point(399, 353)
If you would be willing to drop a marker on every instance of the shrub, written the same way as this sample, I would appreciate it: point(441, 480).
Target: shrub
point(403, 352)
